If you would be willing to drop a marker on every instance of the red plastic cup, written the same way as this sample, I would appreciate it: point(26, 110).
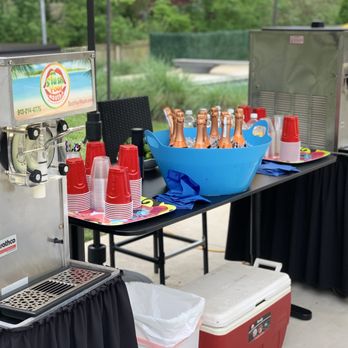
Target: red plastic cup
point(118, 188)
point(290, 133)
point(128, 157)
point(76, 176)
point(247, 110)
point(261, 112)
point(93, 149)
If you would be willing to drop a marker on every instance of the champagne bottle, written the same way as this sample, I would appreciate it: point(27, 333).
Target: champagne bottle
point(238, 140)
point(175, 115)
point(204, 112)
point(201, 125)
point(168, 113)
point(179, 136)
point(225, 141)
point(214, 131)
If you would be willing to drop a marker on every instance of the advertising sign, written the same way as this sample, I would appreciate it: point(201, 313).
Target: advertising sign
point(41, 90)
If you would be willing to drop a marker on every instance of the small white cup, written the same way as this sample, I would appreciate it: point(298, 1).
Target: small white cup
point(290, 152)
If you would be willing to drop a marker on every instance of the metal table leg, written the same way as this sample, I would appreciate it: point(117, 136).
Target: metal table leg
point(77, 243)
point(155, 250)
point(161, 258)
point(205, 245)
point(111, 250)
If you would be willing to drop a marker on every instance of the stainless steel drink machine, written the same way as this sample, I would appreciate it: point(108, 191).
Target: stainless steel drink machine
point(303, 71)
point(36, 93)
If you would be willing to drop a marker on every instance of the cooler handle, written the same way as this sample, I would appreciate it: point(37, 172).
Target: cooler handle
point(262, 263)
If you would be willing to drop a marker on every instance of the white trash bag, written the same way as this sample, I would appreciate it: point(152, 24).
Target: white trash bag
point(165, 317)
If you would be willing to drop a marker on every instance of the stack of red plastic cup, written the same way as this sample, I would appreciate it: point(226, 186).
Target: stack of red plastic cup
point(77, 187)
point(128, 157)
point(290, 140)
point(261, 112)
point(93, 149)
point(118, 200)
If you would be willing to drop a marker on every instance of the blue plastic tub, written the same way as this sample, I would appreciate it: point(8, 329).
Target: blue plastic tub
point(217, 171)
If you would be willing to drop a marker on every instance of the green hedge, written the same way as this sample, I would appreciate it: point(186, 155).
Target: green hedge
point(212, 45)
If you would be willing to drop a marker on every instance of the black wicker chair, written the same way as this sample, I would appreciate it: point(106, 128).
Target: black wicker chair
point(118, 118)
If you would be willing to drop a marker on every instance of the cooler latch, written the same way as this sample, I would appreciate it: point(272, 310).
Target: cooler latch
point(268, 264)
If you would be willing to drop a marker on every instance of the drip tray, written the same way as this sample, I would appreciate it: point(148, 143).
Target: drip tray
point(49, 292)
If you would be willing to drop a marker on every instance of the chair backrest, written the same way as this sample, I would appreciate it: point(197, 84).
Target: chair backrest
point(119, 117)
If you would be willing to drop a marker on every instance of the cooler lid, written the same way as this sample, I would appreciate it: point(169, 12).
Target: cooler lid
point(235, 289)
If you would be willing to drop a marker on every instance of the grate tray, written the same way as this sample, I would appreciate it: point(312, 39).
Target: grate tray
point(48, 292)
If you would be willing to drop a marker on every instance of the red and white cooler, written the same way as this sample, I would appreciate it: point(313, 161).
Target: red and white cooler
point(246, 306)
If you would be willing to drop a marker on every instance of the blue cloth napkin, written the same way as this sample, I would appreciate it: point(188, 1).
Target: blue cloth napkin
point(183, 191)
point(276, 169)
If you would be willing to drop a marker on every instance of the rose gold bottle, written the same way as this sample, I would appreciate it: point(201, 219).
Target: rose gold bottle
point(214, 131)
point(201, 125)
point(179, 134)
point(240, 110)
point(206, 136)
point(225, 141)
point(174, 114)
point(170, 119)
point(238, 140)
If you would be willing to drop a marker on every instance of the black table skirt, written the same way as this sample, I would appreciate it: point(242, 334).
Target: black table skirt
point(100, 319)
point(303, 224)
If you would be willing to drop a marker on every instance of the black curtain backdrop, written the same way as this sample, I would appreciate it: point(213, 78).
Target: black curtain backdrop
point(100, 319)
point(304, 225)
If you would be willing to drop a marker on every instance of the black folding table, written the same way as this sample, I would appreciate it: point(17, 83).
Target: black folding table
point(153, 184)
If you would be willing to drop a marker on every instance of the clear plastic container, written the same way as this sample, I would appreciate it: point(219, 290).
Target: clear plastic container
point(271, 152)
point(189, 120)
point(231, 111)
point(99, 177)
point(253, 119)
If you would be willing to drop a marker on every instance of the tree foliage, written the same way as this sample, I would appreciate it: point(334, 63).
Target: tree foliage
point(134, 19)
point(303, 12)
point(167, 17)
point(20, 21)
point(343, 13)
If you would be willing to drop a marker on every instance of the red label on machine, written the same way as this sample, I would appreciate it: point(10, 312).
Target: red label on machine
point(8, 245)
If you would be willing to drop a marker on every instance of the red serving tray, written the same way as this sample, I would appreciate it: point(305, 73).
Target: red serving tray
point(149, 209)
point(306, 155)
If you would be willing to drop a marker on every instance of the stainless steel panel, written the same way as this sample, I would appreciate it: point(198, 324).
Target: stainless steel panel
point(70, 299)
point(342, 90)
point(302, 109)
point(6, 116)
point(35, 222)
point(318, 123)
point(44, 58)
point(38, 297)
point(303, 71)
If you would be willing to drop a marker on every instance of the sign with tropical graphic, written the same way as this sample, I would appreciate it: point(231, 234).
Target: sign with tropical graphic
point(41, 90)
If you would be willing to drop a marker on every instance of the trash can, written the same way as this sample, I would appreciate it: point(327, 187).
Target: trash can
point(165, 317)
